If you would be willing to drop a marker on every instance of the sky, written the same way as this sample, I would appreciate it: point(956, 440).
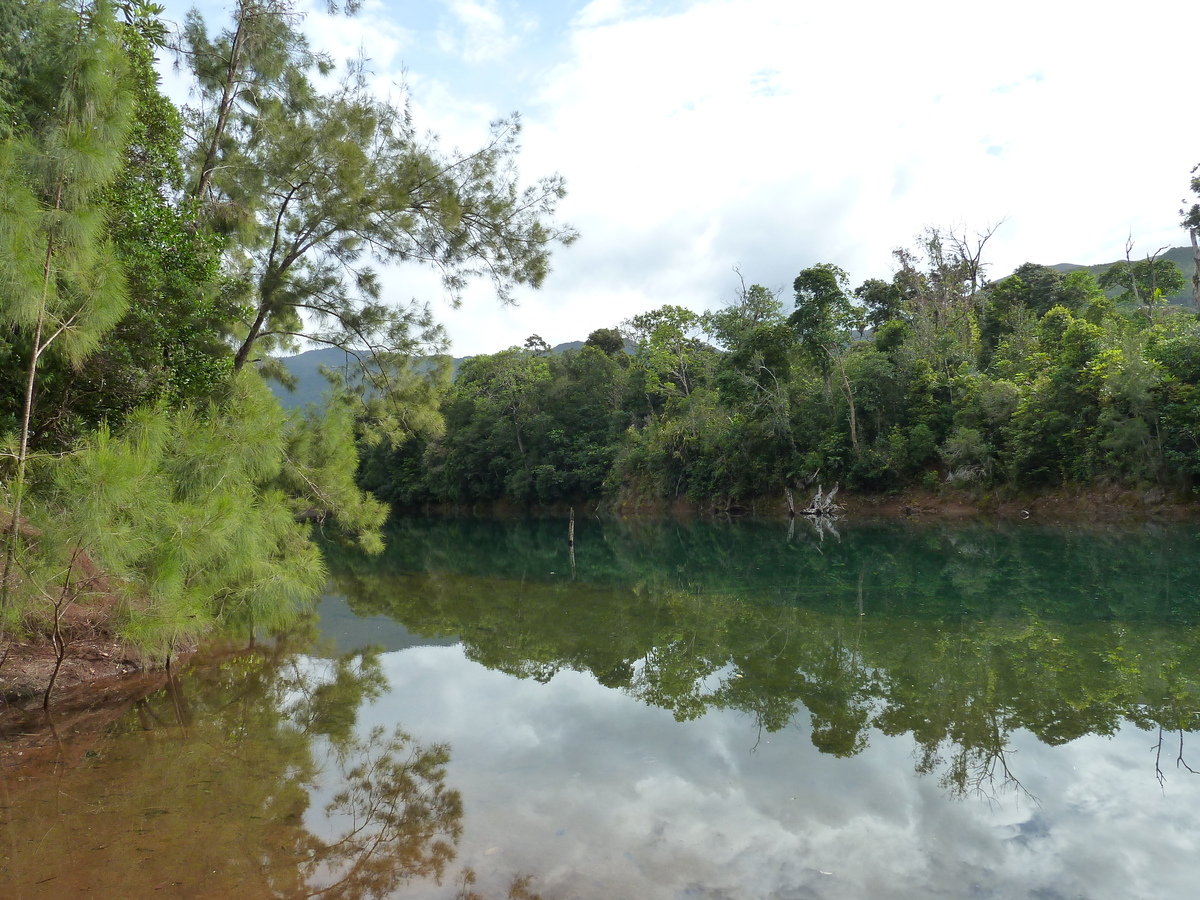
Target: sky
point(703, 139)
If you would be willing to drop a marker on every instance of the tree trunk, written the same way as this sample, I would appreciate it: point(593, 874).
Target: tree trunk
point(846, 389)
point(243, 354)
point(1195, 233)
point(228, 95)
point(18, 495)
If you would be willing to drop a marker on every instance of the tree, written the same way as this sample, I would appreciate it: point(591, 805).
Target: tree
point(883, 300)
point(61, 285)
point(752, 308)
point(537, 345)
point(754, 373)
point(1191, 221)
point(823, 320)
point(1052, 434)
point(184, 514)
point(607, 340)
point(1030, 292)
point(320, 462)
point(487, 447)
point(824, 314)
point(172, 340)
point(312, 188)
point(669, 349)
point(1145, 283)
point(1041, 288)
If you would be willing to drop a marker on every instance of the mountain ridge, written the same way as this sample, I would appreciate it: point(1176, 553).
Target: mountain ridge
point(1180, 256)
point(311, 384)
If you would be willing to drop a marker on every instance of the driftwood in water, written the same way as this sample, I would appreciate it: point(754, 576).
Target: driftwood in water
point(822, 504)
point(821, 513)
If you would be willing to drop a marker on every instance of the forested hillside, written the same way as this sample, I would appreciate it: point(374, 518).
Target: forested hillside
point(938, 376)
point(1174, 291)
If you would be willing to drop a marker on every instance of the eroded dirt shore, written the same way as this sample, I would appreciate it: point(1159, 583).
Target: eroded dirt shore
point(29, 664)
point(97, 673)
point(1095, 506)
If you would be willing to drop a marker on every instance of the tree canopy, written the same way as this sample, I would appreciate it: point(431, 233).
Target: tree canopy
point(936, 377)
point(315, 188)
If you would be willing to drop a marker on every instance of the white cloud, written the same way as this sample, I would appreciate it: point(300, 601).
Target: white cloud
point(600, 12)
point(777, 134)
point(792, 133)
point(480, 33)
point(374, 33)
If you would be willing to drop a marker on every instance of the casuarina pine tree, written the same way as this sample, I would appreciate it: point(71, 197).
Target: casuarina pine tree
point(61, 286)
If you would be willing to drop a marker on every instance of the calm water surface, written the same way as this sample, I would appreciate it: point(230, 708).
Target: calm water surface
point(682, 710)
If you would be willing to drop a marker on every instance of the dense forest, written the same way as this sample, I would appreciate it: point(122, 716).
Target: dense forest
point(153, 259)
point(938, 376)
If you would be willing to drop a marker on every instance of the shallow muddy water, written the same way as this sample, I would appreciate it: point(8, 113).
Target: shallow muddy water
point(681, 710)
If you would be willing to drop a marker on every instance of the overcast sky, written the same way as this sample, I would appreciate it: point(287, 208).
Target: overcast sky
point(772, 135)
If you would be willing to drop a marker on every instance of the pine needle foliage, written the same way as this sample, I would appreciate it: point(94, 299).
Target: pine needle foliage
point(61, 285)
point(318, 475)
point(316, 189)
point(183, 514)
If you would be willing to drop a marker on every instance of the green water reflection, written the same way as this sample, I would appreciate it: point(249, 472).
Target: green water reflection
point(957, 636)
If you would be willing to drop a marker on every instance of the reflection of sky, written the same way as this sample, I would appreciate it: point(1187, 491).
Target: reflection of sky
point(342, 631)
point(598, 795)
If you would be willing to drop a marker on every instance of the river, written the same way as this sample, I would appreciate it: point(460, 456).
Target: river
point(674, 709)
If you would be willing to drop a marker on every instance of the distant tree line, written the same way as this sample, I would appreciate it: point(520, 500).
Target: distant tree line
point(937, 376)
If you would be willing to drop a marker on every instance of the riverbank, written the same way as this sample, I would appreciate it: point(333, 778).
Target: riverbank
point(89, 655)
point(29, 663)
point(1094, 505)
point(1063, 506)
point(84, 704)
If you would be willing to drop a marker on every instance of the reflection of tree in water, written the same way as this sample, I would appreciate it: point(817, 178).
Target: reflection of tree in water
point(956, 637)
point(1180, 762)
point(973, 770)
point(840, 697)
point(399, 819)
point(394, 818)
point(518, 889)
point(234, 750)
point(263, 714)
